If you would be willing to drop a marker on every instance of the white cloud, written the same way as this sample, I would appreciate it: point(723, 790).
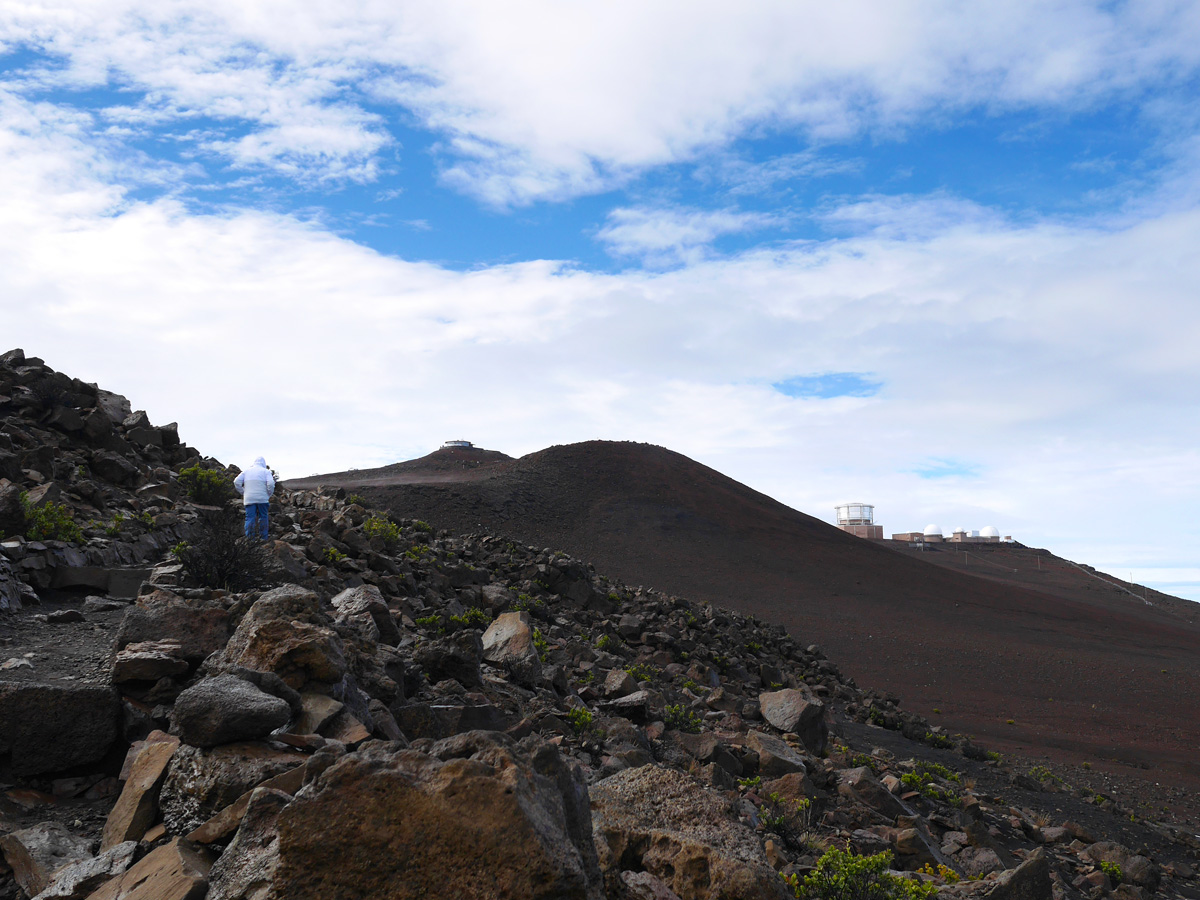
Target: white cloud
point(1056, 361)
point(546, 100)
point(663, 236)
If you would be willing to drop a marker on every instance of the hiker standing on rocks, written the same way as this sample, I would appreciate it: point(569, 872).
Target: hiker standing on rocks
point(256, 485)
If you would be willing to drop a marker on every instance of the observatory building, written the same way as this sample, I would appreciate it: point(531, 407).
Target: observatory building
point(458, 443)
point(933, 535)
point(859, 520)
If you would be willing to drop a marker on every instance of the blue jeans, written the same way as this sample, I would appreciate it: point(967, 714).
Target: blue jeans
point(256, 520)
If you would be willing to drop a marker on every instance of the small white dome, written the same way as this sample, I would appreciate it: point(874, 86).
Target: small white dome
point(931, 530)
point(990, 531)
point(959, 530)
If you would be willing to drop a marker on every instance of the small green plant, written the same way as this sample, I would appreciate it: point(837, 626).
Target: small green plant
point(939, 770)
point(386, 531)
point(333, 555)
point(841, 875)
point(862, 759)
point(681, 719)
point(642, 672)
point(49, 522)
point(208, 487)
point(179, 549)
point(938, 740)
point(614, 596)
point(526, 603)
point(688, 685)
point(748, 784)
point(472, 618)
point(875, 717)
point(1086, 764)
point(605, 641)
point(580, 719)
point(417, 552)
point(540, 644)
point(430, 622)
point(922, 783)
point(993, 756)
point(356, 500)
point(753, 646)
point(586, 677)
point(423, 527)
point(114, 527)
point(1113, 871)
point(146, 519)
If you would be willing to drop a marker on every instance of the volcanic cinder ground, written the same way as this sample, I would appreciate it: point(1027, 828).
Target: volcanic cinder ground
point(1027, 652)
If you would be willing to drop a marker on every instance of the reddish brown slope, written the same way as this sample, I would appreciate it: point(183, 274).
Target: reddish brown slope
point(1086, 675)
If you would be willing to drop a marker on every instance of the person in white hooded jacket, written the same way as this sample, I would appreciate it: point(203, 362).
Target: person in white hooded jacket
point(256, 485)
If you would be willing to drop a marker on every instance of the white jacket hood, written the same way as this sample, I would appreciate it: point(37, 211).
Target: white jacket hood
point(256, 484)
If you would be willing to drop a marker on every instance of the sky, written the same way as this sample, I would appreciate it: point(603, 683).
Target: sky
point(941, 257)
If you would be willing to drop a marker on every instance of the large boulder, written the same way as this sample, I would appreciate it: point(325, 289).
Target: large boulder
point(45, 728)
point(799, 712)
point(364, 609)
point(474, 817)
point(861, 784)
point(226, 709)
point(456, 656)
point(162, 615)
point(508, 643)
point(200, 783)
point(663, 822)
point(286, 633)
point(775, 757)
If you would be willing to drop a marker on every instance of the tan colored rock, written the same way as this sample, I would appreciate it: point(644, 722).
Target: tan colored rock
point(799, 712)
point(318, 710)
point(473, 818)
point(137, 807)
point(149, 661)
point(665, 823)
point(346, 728)
point(508, 642)
point(174, 871)
point(252, 857)
point(35, 853)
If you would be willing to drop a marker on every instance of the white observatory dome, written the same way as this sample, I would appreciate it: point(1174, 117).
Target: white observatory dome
point(990, 531)
point(959, 530)
point(931, 530)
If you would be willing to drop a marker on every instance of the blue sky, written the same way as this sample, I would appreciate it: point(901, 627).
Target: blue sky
point(938, 256)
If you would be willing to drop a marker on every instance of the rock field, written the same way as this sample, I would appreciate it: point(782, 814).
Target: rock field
point(396, 711)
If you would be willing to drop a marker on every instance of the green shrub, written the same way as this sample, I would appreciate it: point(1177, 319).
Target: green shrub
point(208, 487)
point(682, 719)
point(357, 500)
point(642, 672)
point(114, 527)
point(333, 555)
point(472, 618)
point(1113, 871)
point(605, 641)
point(540, 644)
point(580, 719)
point(386, 531)
point(841, 875)
point(49, 522)
point(434, 621)
point(423, 527)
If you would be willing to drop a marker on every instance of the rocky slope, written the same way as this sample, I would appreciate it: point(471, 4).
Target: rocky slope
point(399, 711)
point(1049, 661)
